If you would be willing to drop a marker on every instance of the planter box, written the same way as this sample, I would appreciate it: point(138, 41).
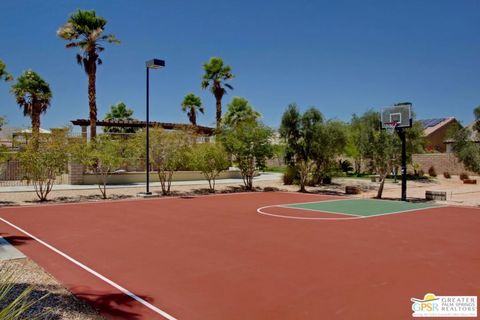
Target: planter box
point(352, 190)
point(436, 195)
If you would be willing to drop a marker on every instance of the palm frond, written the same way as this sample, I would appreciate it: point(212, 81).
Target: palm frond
point(71, 45)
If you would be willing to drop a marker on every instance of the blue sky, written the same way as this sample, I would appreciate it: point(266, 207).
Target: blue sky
point(341, 56)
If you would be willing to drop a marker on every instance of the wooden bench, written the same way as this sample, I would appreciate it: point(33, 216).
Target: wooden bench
point(435, 195)
point(469, 181)
point(375, 178)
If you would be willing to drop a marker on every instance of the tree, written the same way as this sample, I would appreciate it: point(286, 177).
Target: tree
point(211, 159)
point(102, 156)
point(33, 95)
point(2, 122)
point(119, 111)
point(246, 138)
point(4, 73)
point(299, 134)
point(329, 142)
point(382, 148)
point(215, 77)
point(476, 113)
point(85, 30)
point(193, 104)
point(239, 110)
point(44, 160)
point(465, 147)
point(168, 153)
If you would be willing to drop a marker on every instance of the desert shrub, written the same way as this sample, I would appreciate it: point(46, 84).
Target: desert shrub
point(211, 159)
point(18, 303)
point(43, 160)
point(463, 176)
point(432, 172)
point(446, 175)
point(420, 173)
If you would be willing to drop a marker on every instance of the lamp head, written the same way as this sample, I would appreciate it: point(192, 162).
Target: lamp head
point(155, 64)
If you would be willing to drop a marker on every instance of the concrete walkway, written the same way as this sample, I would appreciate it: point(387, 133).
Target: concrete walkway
point(9, 252)
point(264, 176)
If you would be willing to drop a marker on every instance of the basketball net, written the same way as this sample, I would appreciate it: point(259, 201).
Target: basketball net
point(390, 126)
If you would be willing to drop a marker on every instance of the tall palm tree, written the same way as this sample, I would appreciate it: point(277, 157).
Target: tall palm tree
point(194, 104)
point(215, 76)
point(85, 30)
point(4, 73)
point(33, 95)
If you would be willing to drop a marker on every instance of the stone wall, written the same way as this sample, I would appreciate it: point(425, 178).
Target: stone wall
point(138, 177)
point(442, 162)
point(75, 173)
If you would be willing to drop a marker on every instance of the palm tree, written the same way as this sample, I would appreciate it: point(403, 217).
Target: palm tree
point(119, 111)
point(4, 73)
point(85, 30)
point(33, 94)
point(193, 104)
point(216, 73)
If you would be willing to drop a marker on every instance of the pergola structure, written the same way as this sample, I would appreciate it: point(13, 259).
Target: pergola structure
point(85, 123)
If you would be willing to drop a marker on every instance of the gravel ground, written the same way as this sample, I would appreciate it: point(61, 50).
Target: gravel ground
point(457, 192)
point(59, 304)
point(63, 305)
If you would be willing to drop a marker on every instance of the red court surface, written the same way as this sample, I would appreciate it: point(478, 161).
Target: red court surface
point(215, 257)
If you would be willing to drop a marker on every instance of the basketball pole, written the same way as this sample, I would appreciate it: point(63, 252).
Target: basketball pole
point(402, 135)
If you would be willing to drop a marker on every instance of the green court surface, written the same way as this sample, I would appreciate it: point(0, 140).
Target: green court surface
point(361, 207)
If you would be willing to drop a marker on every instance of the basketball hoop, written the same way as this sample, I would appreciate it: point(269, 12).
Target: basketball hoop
point(390, 126)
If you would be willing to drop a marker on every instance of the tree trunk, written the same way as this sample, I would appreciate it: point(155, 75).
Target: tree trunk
point(92, 99)
point(193, 117)
point(35, 127)
point(218, 100)
point(380, 188)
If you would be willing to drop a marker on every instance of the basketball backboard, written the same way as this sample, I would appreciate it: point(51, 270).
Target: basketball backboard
point(399, 115)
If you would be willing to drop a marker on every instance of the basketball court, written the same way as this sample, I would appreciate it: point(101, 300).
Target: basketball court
point(252, 255)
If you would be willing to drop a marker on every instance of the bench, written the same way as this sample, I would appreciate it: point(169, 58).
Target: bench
point(435, 195)
point(469, 181)
point(375, 178)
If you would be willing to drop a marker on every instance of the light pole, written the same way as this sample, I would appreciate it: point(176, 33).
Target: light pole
point(150, 64)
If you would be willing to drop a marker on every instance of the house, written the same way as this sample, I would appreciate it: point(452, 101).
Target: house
point(435, 132)
point(6, 135)
point(21, 136)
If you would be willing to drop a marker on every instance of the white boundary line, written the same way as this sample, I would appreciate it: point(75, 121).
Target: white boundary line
point(259, 210)
point(96, 274)
point(354, 217)
point(307, 209)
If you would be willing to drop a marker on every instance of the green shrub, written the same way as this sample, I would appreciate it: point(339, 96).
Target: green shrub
point(446, 175)
point(290, 176)
point(432, 172)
